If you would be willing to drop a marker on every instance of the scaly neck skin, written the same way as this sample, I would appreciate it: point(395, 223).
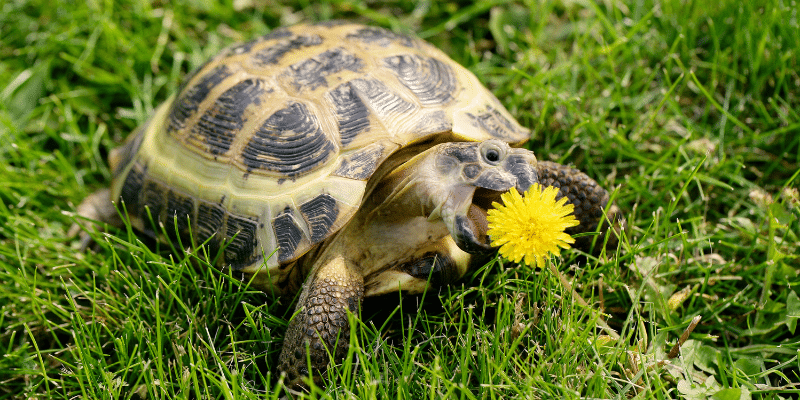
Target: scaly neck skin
point(396, 220)
point(418, 188)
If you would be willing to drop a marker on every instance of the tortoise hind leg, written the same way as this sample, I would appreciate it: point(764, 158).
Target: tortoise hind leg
point(321, 330)
point(95, 207)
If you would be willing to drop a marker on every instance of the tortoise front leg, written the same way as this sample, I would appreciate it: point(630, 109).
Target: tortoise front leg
point(321, 329)
point(588, 198)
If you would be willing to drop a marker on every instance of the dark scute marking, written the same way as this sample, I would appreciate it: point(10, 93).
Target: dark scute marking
point(277, 34)
point(431, 80)
point(246, 47)
point(351, 113)
point(219, 124)
point(463, 152)
point(287, 233)
point(381, 37)
point(187, 104)
point(380, 98)
point(440, 268)
point(310, 74)
point(153, 198)
point(526, 173)
point(360, 165)
point(471, 170)
point(289, 142)
point(180, 209)
point(320, 213)
point(242, 233)
point(210, 218)
point(493, 122)
point(274, 53)
point(132, 187)
point(188, 78)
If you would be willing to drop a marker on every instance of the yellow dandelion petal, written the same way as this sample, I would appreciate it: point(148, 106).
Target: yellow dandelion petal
point(531, 227)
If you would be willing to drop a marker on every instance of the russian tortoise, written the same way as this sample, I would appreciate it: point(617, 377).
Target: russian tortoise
point(342, 160)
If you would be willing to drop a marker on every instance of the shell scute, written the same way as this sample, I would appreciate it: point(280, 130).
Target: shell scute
point(352, 115)
point(431, 123)
point(242, 249)
point(290, 142)
point(382, 100)
point(361, 164)
point(132, 188)
point(247, 47)
point(180, 209)
point(210, 218)
point(277, 34)
point(320, 213)
point(187, 104)
point(495, 123)
point(219, 125)
point(381, 37)
point(431, 80)
point(152, 201)
point(287, 234)
point(312, 73)
point(273, 54)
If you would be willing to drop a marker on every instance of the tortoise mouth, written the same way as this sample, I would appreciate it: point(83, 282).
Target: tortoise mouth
point(478, 212)
point(483, 198)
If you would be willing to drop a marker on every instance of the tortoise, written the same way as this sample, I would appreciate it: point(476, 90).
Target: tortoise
point(339, 160)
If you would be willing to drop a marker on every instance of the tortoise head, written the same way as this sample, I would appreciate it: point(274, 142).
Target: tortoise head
point(456, 183)
point(473, 175)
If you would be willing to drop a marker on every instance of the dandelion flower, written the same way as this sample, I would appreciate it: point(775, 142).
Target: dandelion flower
point(530, 227)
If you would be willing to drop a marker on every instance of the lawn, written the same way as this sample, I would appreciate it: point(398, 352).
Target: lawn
point(688, 110)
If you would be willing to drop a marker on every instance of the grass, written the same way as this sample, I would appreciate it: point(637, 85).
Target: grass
point(689, 110)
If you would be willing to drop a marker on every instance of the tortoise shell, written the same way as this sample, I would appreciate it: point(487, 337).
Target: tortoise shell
point(268, 148)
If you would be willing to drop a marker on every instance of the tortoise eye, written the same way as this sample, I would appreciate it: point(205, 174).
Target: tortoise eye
point(492, 153)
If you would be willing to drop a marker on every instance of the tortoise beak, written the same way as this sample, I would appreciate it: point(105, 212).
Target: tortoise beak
point(469, 231)
point(522, 164)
